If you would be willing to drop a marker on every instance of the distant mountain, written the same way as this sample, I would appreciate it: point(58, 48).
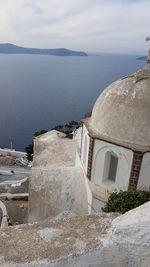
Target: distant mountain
point(142, 58)
point(14, 49)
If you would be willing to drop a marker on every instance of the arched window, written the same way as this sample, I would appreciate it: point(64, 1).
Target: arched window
point(110, 167)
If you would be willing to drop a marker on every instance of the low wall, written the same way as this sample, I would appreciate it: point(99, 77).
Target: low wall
point(13, 153)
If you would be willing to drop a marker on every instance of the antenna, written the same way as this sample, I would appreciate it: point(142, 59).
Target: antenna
point(11, 145)
point(148, 58)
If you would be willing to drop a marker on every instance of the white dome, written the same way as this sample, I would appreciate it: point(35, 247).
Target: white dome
point(121, 113)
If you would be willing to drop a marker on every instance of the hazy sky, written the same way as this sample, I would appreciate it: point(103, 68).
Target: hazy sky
point(90, 25)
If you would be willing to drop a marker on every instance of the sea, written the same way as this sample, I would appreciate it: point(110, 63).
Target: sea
point(39, 92)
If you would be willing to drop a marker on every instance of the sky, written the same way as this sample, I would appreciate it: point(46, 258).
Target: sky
point(114, 26)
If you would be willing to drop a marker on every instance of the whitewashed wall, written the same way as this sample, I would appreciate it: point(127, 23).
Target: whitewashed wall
point(85, 147)
point(125, 157)
point(144, 178)
point(78, 163)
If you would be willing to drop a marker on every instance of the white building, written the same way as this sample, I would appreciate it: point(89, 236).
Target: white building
point(114, 153)
point(116, 138)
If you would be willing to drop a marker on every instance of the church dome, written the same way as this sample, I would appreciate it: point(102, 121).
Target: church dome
point(121, 113)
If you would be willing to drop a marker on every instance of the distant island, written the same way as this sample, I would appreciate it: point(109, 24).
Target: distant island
point(6, 48)
point(142, 58)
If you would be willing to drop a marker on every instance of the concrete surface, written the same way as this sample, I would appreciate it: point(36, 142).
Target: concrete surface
point(99, 240)
point(53, 241)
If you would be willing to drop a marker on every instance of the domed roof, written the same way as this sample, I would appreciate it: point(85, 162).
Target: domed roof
point(121, 113)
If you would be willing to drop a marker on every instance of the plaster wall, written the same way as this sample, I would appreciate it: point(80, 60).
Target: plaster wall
point(85, 147)
point(54, 149)
point(144, 177)
point(57, 190)
point(87, 185)
point(99, 165)
point(77, 138)
point(78, 162)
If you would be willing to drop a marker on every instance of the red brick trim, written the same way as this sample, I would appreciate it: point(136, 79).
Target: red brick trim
point(90, 157)
point(135, 170)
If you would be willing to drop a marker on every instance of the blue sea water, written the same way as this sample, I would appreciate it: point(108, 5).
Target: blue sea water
point(39, 92)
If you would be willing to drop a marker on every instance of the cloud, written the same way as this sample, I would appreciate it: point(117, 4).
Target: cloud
point(108, 26)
